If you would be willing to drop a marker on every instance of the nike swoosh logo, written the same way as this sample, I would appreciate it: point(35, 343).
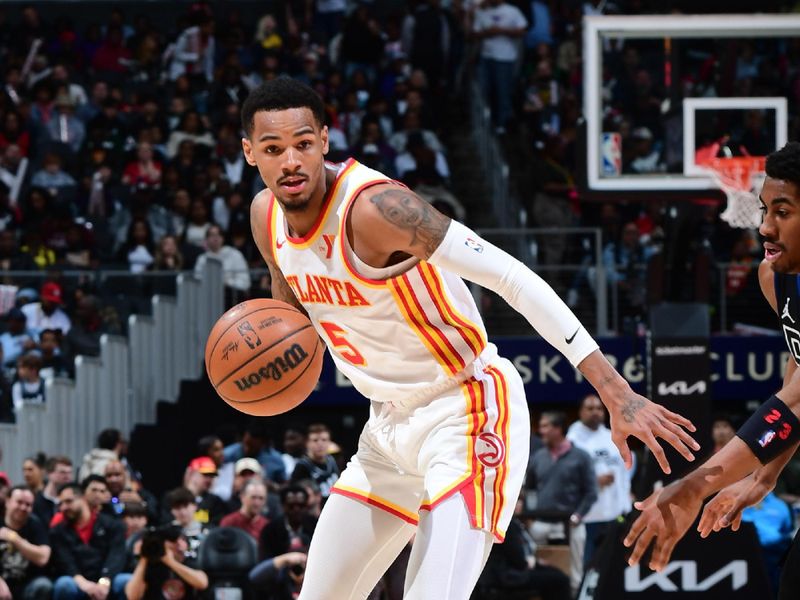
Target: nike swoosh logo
point(572, 337)
point(279, 245)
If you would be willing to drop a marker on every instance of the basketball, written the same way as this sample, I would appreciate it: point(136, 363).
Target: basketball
point(263, 357)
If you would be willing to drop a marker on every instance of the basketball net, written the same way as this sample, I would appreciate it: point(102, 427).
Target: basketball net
point(741, 178)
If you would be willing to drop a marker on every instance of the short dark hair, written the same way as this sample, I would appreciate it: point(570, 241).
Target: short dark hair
point(586, 397)
point(89, 479)
point(257, 429)
point(293, 489)
point(556, 419)
point(214, 226)
point(180, 497)
point(71, 485)
point(318, 428)
point(281, 93)
point(109, 438)
point(52, 332)
point(39, 459)
point(204, 444)
point(54, 461)
point(785, 163)
point(30, 361)
point(135, 509)
point(17, 487)
point(294, 426)
point(308, 484)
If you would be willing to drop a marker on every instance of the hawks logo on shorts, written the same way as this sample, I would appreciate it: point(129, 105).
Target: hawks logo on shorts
point(490, 449)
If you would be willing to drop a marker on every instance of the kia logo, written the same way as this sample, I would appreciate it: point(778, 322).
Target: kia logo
point(681, 388)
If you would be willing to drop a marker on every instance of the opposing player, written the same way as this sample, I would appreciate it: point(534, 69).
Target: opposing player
point(379, 272)
point(751, 462)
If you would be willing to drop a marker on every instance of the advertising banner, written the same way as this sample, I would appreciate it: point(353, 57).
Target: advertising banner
point(742, 368)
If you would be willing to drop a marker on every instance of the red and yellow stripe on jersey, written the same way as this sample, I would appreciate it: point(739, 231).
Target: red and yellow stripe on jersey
point(483, 488)
point(451, 339)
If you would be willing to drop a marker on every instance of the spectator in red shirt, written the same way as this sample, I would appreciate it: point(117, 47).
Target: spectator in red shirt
point(95, 491)
point(144, 170)
point(88, 550)
point(112, 56)
point(14, 133)
point(250, 516)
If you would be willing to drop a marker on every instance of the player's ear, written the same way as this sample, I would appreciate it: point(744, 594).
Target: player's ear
point(323, 135)
point(248, 152)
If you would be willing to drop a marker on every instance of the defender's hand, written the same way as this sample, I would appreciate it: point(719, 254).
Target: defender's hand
point(632, 414)
point(666, 516)
point(725, 509)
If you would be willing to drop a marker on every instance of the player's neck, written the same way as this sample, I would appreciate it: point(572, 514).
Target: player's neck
point(300, 222)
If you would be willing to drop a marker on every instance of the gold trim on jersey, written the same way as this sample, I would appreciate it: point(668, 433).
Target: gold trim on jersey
point(328, 205)
point(428, 333)
point(367, 281)
point(471, 333)
point(374, 500)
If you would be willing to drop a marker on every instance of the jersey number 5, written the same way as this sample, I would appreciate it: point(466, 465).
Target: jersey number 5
point(346, 350)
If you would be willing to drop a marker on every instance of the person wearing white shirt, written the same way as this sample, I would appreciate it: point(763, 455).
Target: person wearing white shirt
point(235, 272)
point(193, 52)
point(47, 314)
point(613, 479)
point(499, 27)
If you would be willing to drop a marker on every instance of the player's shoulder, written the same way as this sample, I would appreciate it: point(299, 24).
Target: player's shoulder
point(261, 201)
point(366, 207)
point(381, 187)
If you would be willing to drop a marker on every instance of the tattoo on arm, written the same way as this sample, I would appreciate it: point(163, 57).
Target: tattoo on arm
point(630, 408)
point(281, 289)
point(406, 211)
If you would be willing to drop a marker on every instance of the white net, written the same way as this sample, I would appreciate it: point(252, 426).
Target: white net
point(742, 210)
point(741, 181)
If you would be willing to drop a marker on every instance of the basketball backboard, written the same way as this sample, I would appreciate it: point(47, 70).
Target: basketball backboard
point(664, 83)
point(716, 119)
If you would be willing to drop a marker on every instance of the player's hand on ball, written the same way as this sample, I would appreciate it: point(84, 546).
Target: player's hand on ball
point(635, 415)
point(725, 509)
point(666, 516)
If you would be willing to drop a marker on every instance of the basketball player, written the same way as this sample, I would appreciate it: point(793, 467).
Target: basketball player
point(379, 272)
point(751, 462)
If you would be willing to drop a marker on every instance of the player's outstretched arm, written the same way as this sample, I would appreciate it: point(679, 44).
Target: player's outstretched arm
point(388, 219)
point(258, 225)
point(634, 415)
point(725, 509)
point(772, 431)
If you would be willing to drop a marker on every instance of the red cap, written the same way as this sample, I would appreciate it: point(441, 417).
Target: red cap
point(4, 478)
point(51, 292)
point(204, 464)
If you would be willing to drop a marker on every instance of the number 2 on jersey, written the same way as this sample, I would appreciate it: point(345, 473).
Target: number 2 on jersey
point(346, 350)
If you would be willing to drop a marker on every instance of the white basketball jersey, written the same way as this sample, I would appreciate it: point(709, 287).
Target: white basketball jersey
point(397, 333)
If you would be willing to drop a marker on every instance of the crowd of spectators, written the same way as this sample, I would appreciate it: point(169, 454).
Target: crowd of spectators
point(538, 117)
point(120, 150)
point(73, 531)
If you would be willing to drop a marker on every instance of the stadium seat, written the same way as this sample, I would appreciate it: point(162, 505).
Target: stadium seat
point(227, 555)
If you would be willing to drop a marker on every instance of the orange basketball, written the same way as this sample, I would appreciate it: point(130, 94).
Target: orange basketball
point(263, 357)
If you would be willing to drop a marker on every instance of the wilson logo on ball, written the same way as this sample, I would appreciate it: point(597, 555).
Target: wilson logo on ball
point(291, 359)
